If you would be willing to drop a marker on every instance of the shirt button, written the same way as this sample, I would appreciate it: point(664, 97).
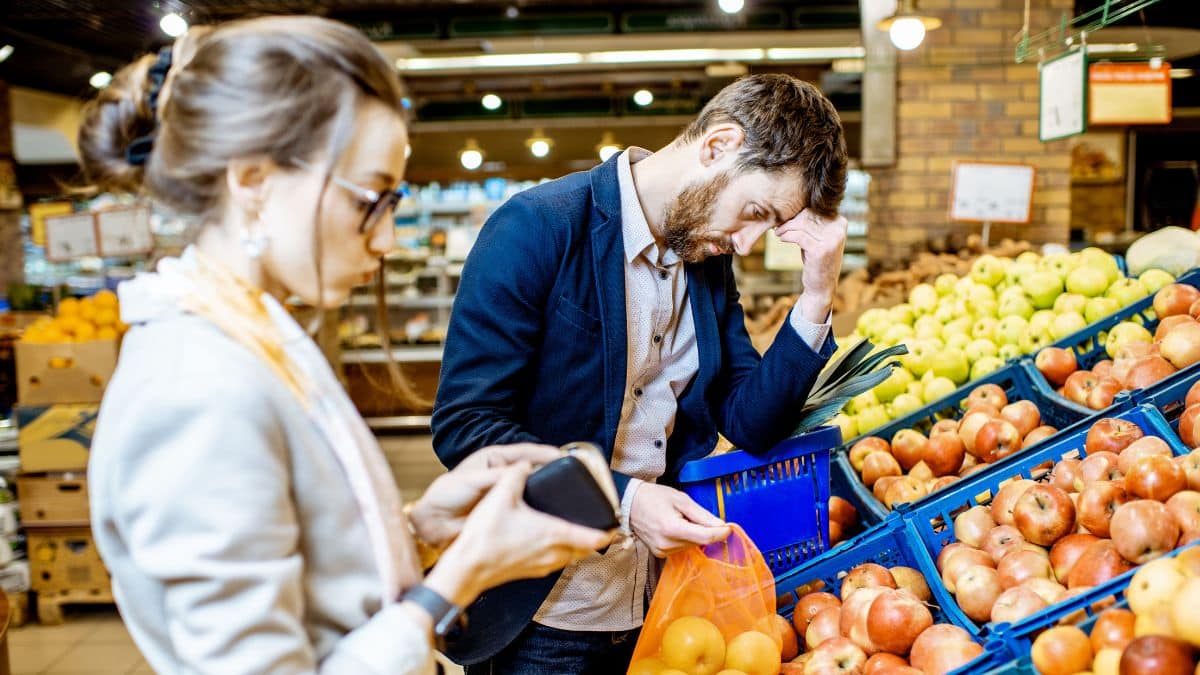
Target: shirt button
point(662, 274)
point(658, 444)
point(637, 391)
point(657, 339)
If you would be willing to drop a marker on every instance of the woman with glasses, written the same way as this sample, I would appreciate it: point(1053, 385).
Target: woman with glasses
point(245, 511)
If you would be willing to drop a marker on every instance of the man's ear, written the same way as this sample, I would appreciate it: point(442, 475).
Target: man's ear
point(721, 144)
point(246, 180)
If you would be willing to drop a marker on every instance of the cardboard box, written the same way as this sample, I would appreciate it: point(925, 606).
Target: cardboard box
point(66, 560)
point(54, 499)
point(68, 372)
point(55, 438)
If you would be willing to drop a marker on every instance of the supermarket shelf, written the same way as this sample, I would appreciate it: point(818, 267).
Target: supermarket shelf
point(400, 422)
point(8, 439)
point(424, 354)
point(395, 300)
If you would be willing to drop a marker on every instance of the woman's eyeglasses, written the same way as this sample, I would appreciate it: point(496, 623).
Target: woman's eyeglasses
point(376, 204)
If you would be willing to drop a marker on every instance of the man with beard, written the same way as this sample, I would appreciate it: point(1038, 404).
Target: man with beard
point(602, 307)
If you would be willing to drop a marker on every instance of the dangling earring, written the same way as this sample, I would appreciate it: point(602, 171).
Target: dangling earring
point(253, 244)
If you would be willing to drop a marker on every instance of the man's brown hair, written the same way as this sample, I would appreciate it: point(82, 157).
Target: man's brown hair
point(789, 125)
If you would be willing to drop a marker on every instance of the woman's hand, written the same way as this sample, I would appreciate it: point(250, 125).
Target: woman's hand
point(503, 540)
point(439, 514)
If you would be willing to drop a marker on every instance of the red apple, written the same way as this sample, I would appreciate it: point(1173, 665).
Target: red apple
point(944, 427)
point(906, 489)
point(1051, 591)
point(1099, 563)
point(1113, 628)
point(997, 439)
point(1103, 394)
point(1185, 509)
point(944, 454)
point(837, 532)
point(860, 450)
point(878, 465)
point(1170, 323)
point(907, 447)
point(885, 664)
point(1041, 433)
point(1097, 466)
point(1006, 498)
point(1189, 558)
point(1001, 540)
point(1182, 345)
point(1079, 385)
point(1155, 477)
point(1193, 395)
point(895, 620)
point(969, 427)
point(1103, 369)
point(1023, 415)
point(867, 575)
point(1188, 426)
point(971, 527)
point(990, 395)
point(1063, 474)
point(960, 561)
point(1174, 300)
point(882, 485)
point(912, 581)
point(1111, 435)
point(809, 606)
point(1019, 566)
point(1097, 504)
point(921, 470)
point(842, 511)
point(1067, 551)
point(838, 656)
point(942, 482)
point(1156, 655)
point(1150, 369)
point(854, 617)
point(1194, 310)
point(977, 588)
point(1142, 447)
point(1017, 603)
point(1062, 650)
point(1044, 514)
point(935, 643)
point(1190, 463)
point(1143, 530)
point(946, 553)
point(1056, 364)
point(825, 626)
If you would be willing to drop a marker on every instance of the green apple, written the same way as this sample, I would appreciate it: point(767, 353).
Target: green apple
point(898, 333)
point(1067, 323)
point(959, 326)
point(1070, 302)
point(873, 322)
point(1126, 291)
point(847, 424)
point(946, 311)
point(872, 418)
point(902, 313)
point(958, 341)
point(981, 348)
point(915, 387)
point(906, 403)
point(1015, 304)
point(1032, 340)
point(1087, 281)
point(1010, 328)
point(988, 270)
point(1154, 280)
point(985, 307)
point(1101, 260)
point(952, 363)
point(1041, 320)
point(944, 284)
point(1018, 271)
point(916, 361)
point(861, 402)
point(896, 384)
point(937, 389)
point(963, 286)
point(1125, 333)
point(927, 327)
point(1098, 308)
point(984, 328)
point(923, 298)
point(1043, 288)
point(986, 366)
point(1010, 351)
point(1059, 264)
point(1029, 257)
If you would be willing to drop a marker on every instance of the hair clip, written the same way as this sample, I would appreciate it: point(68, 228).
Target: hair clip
point(139, 149)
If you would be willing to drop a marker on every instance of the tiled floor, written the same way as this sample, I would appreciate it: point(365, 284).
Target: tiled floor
point(93, 641)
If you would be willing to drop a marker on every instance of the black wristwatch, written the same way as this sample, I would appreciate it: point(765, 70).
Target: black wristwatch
point(448, 619)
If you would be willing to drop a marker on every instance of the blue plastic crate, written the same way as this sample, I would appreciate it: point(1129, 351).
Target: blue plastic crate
point(933, 521)
point(781, 499)
point(1016, 382)
point(1168, 396)
point(1088, 344)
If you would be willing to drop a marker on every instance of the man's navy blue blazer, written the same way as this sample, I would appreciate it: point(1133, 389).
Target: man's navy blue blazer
point(536, 350)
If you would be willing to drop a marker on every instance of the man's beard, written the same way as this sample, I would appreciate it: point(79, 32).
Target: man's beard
point(689, 216)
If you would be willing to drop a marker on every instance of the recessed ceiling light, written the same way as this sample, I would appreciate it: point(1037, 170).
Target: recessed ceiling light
point(471, 156)
point(643, 97)
point(491, 101)
point(101, 79)
point(731, 6)
point(172, 24)
point(5, 52)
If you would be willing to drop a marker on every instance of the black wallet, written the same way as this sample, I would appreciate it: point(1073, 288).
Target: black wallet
point(566, 488)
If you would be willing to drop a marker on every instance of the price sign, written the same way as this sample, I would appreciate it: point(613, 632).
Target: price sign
point(70, 237)
point(125, 231)
point(1063, 96)
point(1130, 93)
point(992, 192)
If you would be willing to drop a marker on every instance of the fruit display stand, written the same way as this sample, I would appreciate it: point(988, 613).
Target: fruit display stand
point(1014, 379)
point(934, 521)
point(1090, 348)
point(781, 499)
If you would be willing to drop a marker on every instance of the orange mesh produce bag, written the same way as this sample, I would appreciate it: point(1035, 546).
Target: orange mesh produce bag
point(729, 587)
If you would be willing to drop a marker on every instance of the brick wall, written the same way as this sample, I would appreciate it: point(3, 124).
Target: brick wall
point(12, 257)
point(961, 96)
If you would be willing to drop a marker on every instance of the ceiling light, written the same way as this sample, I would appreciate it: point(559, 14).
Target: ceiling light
point(490, 61)
point(101, 79)
point(814, 53)
point(407, 151)
point(491, 101)
point(1180, 73)
point(643, 97)
point(607, 147)
point(729, 57)
point(512, 12)
point(471, 156)
point(5, 52)
point(906, 27)
point(539, 145)
point(674, 55)
point(1112, 48)
point(731, 6)
point(172, 24)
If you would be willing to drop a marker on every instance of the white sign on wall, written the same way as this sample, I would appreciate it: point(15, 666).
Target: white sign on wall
point(985, 192)
point(70, 237)
point(125, 231)
point(1063, 84)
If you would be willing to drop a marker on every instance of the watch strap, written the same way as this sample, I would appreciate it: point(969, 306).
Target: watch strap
point(446, 615)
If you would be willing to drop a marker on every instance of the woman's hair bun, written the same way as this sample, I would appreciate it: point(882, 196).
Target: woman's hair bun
point(112, 120)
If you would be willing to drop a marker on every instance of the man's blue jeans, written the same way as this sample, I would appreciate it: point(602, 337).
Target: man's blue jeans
point(541, 650)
